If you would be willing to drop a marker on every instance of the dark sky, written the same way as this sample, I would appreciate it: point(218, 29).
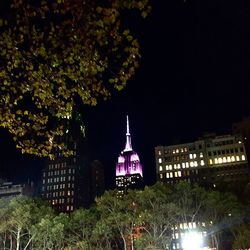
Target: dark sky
point(194, 78)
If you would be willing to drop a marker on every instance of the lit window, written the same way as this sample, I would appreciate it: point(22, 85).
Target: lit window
point(167, 167)
point(224, 159)
point(160, 160)
point(191, 164)
point(232, 158)
point(170, 167)
point(194, 156)
point(201, 155)
point(179, 166)
point(175, 166)
point(167, 175)
point(190, 156)
point(187, 165)
point(237, 158)
point(171, 174)
point(173, 151)
point(243, 158)
point(160, 168)
point(179, 173)
point(177, 151)
point(215, 161)
point(159, 152)
point(182, 150)
point(195, 164)
point(202, 163)
point(183, 165)
point(228, 159)
point(175, 174)
point(161, 176)
point(220, 160)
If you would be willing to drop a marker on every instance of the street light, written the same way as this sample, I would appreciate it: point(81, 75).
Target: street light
point(192, 241)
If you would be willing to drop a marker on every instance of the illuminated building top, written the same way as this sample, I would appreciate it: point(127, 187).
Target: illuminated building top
point(128, 160)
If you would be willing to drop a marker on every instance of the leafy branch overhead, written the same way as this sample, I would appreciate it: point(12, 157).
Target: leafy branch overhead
point(55, 52)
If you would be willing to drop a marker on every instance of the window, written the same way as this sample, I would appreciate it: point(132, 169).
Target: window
point(161, 176)
point(160, 168)
point(243, 158)
point(202, 163)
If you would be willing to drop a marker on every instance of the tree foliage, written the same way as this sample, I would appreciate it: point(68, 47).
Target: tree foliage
point(147, 219)
point(54, 53)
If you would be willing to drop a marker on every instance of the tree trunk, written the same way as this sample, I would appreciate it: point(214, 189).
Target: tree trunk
point(11, 242)
point(124, 243)
point(18, 239)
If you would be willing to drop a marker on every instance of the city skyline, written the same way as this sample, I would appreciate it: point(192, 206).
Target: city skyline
point(194, 77)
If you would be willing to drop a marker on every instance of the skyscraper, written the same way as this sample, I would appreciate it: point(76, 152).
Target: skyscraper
point(128, 168)
point(65, 180)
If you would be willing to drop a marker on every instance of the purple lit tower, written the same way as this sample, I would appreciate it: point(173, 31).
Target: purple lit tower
point(128, 169)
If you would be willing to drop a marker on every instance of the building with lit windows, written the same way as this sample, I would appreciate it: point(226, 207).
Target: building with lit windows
point(243, 128)
point(129, 172)
point(65, 180)
point(203, 161)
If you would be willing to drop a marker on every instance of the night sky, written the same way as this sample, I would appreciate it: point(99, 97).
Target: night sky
point(194, 77)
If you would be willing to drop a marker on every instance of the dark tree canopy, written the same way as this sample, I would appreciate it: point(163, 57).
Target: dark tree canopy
point(54, 52)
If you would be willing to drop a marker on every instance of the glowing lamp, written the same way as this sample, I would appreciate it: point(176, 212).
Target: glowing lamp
point(192, 241)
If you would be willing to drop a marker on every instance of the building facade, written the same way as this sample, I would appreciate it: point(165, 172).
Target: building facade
point(9, 190)
point(65, 180)
point(97, 179)
point(243, 128)
point(203, 161)
point(129, 173)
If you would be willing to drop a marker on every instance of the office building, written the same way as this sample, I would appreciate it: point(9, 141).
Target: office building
point(243, 128)
point(97, 179)
point(65, 180)
point(203, 161)
point(129, 173)
point(9, 190)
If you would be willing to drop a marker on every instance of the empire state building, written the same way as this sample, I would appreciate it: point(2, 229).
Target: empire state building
point(128, 168)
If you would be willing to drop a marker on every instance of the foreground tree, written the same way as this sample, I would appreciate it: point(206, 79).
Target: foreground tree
point(54, 53)
point(121, 215)
point(18, 219)
point(157, 216)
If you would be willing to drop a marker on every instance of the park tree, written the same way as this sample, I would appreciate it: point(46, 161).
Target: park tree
point(55, 55)
point(81, 227)
point(222, 213)
point(120, 214)
point(18, 219)
point(242, 237)
point(158, 215)
point(51, 232)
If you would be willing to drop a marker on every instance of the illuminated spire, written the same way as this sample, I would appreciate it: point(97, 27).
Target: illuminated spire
point(128, 146)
